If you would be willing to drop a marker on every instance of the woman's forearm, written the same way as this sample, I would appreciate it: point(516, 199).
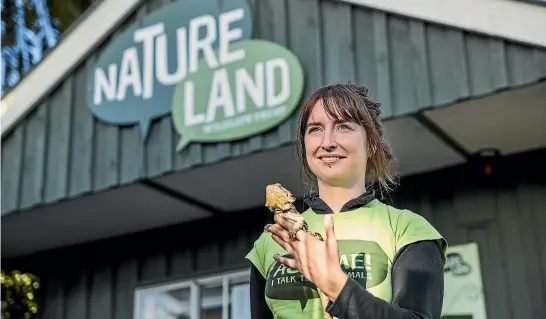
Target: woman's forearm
point(418, 287)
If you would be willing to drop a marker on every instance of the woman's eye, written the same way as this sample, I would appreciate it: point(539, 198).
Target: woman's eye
point(313, 129)
point(344, 127)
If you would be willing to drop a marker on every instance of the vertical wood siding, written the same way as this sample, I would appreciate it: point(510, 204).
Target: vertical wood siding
point(59, 150)
point(505, 216)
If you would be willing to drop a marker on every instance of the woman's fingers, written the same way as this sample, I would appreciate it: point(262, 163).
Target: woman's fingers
point(331, 240)
point(288, 262)
point(283, 244)
point(280, 232)
point(283, 222)
point(302, 247)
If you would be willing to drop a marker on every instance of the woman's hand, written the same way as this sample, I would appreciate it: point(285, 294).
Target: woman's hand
point(317, 260)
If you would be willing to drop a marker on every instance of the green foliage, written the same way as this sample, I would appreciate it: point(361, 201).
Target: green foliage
point(19, 295)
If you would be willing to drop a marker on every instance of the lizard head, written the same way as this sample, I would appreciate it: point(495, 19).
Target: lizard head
point(276, 196)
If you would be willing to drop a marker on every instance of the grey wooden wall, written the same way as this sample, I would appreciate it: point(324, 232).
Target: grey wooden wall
point(59, 150)
point(505, 214)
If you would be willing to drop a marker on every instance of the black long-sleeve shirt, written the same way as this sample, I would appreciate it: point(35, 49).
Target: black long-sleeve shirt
point(417, 281)
point(417, 289)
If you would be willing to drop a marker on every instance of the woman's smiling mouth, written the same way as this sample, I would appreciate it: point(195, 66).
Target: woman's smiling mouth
point(330, 159)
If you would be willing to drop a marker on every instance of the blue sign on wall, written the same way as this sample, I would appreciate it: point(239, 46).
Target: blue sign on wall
point(134, 78)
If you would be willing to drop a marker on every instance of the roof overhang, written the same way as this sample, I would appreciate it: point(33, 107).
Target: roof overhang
point(511, 20)
point(510, 122)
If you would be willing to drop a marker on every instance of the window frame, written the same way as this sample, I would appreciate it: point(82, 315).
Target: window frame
point(224, 279)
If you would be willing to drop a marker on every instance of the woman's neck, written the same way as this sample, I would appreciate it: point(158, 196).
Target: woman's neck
point(335, 197)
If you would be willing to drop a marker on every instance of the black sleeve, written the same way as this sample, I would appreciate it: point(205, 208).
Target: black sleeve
point(258, 306)
point(417, 283)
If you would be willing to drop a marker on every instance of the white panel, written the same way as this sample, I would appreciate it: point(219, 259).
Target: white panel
point(463, 288)
point(417, 149)
point(512, 121)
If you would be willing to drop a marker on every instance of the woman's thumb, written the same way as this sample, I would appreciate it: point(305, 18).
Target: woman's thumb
point(329, 229)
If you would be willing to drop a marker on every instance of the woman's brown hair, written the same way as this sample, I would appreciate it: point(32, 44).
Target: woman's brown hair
point(352, 102)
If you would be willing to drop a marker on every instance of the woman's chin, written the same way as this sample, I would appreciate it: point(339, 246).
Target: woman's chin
point(332, 179)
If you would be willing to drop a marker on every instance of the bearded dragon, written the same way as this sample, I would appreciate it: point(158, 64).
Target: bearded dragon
point(280, 201)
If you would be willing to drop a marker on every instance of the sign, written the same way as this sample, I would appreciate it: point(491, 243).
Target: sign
point(463, 287)
point(243, 97)
point(196, 61)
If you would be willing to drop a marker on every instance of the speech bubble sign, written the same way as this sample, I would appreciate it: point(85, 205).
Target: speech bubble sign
point(289, 284)
point(239, 99)
point(134, 78)
point(364, 261)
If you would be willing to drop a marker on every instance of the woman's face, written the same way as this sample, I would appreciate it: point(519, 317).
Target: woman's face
point(336, 152)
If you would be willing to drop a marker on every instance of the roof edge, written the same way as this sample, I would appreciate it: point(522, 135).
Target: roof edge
point(99, 23)
point(512, 20)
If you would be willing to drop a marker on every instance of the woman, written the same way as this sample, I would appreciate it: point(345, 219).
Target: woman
point(380, 262)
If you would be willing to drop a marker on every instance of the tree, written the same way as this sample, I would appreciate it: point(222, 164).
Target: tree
point(29, 29)
point(19, 295)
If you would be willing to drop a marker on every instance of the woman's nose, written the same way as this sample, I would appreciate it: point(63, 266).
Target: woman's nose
point(328, 141)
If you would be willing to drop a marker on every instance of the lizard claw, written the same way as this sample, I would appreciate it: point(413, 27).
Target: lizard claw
point(292, 234)
point(319, 236)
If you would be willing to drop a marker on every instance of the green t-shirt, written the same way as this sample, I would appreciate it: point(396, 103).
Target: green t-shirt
point(368, 240)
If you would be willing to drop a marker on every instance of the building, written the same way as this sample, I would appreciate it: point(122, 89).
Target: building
point(109, 208)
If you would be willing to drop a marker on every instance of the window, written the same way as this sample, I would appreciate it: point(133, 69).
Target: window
point(224, 296)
